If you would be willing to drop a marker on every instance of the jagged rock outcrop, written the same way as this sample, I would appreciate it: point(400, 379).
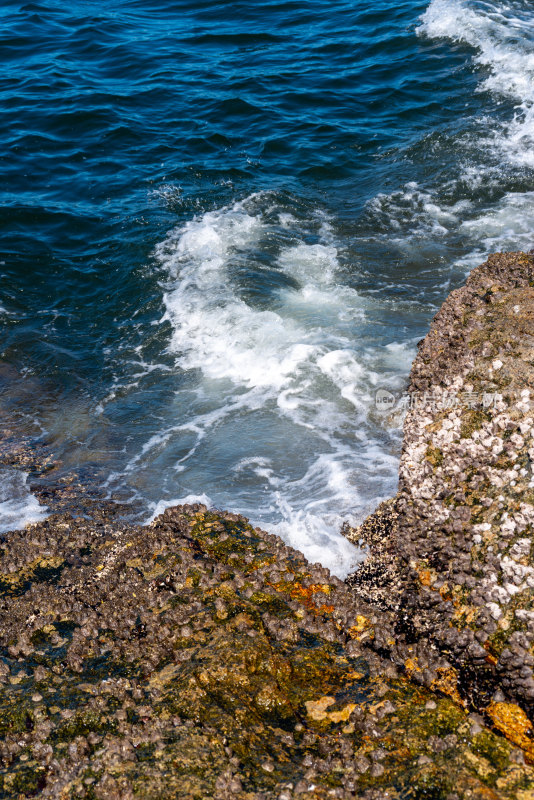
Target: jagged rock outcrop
point(452, 556)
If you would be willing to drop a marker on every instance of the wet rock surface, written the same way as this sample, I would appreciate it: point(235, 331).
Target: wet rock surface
point(201, 658)
point(451, 558)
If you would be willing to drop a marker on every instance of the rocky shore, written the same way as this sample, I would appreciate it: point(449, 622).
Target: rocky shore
point(451, 555)
point(199, 657)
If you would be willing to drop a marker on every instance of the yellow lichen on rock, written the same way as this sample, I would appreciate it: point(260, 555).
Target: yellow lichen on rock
point(512, 721)
point(362, 629)
point(316, 710)
point(447, 682)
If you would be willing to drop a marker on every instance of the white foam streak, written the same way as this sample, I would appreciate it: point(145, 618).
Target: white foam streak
point(399, 211)
point(312, 534)
point(158, 508)
point(18, 507)
point(508, 226)
point(310, 263)
point(227, 338)
point(213, 329)
point(504, 44)
point(415, 216)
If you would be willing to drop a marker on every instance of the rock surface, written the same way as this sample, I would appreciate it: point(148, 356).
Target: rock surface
point(201, 658)
point(452, 555)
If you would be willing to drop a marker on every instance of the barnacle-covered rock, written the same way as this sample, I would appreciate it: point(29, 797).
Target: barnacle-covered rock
point(452, 556)
point(199, 657)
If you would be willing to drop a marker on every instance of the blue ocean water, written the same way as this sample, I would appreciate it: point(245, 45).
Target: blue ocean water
point(224, 226)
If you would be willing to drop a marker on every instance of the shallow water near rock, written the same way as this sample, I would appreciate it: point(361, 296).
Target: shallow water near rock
point(18, 506)
point(223, 234)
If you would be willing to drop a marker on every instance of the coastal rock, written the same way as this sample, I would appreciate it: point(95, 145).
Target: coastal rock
point(199, 657)
point(452, 557)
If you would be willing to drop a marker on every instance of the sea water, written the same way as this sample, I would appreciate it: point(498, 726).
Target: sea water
point(225, 227)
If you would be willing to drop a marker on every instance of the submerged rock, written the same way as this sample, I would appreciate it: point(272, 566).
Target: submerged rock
point(452, 557)
point(201, 658)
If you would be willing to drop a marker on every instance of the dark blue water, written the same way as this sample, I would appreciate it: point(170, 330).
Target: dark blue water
point(224, 226)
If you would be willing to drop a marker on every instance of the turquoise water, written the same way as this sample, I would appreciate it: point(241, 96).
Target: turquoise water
point(226, 225)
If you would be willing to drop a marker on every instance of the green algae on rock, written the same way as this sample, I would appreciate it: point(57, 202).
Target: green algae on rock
point(201, 658)
point(451, 556)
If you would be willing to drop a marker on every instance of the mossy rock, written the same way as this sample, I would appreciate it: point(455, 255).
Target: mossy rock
point(200, 657)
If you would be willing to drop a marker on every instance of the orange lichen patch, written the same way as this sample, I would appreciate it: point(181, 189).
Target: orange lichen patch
point(362, 629)
point(512, 721)
point(464, 616)
point(411, 666)
point(490, 658)
point(299, 590)
point(447, 683)
point(427, 577)
point(304, 594)
point(316, 710)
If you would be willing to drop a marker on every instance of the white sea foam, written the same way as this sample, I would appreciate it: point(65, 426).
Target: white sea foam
point(414, 215)
point(508, 226)
point(414, 210)
point(280, 424)
point(503, 38)
point(310, 263)
point(18, 506)
point(158, 508)
point(285, 387)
